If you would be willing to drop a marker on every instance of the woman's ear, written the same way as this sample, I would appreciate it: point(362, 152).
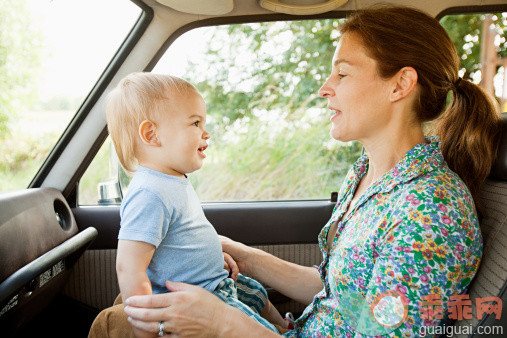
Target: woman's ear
point(148, 133)
point(406, 80)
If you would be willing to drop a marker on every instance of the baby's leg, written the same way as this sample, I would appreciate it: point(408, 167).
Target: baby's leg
point(253, 294)
point(273, 316)
point(227, 292)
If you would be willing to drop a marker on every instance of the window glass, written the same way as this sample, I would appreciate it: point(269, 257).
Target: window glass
point(480, 40)
point(51, 55)
point(104, 181)
point(269, 129)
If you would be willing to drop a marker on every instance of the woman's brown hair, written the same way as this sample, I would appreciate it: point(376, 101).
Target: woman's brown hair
point(469, 129)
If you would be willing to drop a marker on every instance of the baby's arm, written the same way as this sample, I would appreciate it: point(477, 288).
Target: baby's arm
point(132, 260)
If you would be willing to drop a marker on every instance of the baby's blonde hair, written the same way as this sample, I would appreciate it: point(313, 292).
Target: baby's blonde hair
point(138, 97)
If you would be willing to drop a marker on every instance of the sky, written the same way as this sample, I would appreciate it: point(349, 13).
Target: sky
point(81, 40)
point(78, 40)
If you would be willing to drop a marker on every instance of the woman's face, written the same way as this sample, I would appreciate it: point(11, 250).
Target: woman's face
point(356, 94)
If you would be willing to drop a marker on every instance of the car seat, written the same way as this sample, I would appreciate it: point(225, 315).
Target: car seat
point(491, 278)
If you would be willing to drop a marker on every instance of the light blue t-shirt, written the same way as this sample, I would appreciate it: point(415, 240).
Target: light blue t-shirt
point(165, 211)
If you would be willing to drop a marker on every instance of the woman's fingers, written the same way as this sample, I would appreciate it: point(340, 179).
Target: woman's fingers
point(186, 311)
point(151, 327)
point(238, 251)
point(146, 314)
point(227, 268)
point(174, 286)
point(145, 326)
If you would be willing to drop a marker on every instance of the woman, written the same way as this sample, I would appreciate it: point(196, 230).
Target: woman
point(405, 226)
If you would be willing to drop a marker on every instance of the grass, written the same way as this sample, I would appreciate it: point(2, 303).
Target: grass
point(27, 144)
point(267, 164)
point(100, 170)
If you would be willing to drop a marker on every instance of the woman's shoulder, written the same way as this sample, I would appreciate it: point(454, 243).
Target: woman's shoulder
point(439, 204)
point(438, 187)
point(438, 208)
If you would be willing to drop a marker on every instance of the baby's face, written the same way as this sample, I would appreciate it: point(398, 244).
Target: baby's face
point(181, 132)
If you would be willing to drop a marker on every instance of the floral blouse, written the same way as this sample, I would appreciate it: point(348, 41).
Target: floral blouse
point(413, 233)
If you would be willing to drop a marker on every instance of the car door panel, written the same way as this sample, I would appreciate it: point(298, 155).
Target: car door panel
point(287, 229)
point(39, 244)
point(252, 223)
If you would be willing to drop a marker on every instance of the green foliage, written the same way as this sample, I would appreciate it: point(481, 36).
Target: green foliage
point(275, 69)
point(98, 171)
point(270, 135)
point(465, 31)
point(20, 59)
point(287, 62)
point(21, 156)
point(26, 144)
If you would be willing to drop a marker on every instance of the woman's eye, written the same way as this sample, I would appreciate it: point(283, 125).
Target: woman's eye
point(341, 76)
point(196, 123)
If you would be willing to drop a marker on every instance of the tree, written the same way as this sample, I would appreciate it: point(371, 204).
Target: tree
point(20, 61)
point(465, 31)
point(235, 88)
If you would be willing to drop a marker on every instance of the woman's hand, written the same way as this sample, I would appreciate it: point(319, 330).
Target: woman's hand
point(191, 311)
point(188, 311)
point(298, 282)
point(239, 252)
point(231, 266)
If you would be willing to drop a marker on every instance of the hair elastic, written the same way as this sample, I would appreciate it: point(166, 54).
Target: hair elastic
point(457, 83)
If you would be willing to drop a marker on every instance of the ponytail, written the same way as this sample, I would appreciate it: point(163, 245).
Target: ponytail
point(469, 131)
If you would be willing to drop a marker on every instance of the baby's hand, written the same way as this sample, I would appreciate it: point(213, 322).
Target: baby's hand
point(231, 266)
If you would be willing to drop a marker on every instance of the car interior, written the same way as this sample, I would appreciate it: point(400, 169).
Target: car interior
point(57, 257)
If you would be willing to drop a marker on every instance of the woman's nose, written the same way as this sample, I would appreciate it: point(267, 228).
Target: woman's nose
point(325, 90)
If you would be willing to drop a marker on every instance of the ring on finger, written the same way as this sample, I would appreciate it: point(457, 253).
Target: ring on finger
point(161, 329)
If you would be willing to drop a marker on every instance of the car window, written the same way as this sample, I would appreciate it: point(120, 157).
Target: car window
point(51, 55)
point(480, 40)
point(269, 129)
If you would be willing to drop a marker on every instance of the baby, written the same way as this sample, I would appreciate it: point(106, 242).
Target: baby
point(157, 124)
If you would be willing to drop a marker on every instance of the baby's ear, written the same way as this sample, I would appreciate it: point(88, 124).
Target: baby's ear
point(148, 133)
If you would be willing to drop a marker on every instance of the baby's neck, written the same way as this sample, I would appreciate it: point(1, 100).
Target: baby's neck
point(167, 171)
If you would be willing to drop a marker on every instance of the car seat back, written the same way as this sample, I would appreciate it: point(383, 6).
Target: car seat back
point(491, 278)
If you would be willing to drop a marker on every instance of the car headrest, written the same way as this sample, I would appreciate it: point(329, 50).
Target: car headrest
point(499, 169)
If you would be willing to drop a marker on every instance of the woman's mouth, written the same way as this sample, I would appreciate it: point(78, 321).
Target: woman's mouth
point(201, 150)
point(336, 112)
